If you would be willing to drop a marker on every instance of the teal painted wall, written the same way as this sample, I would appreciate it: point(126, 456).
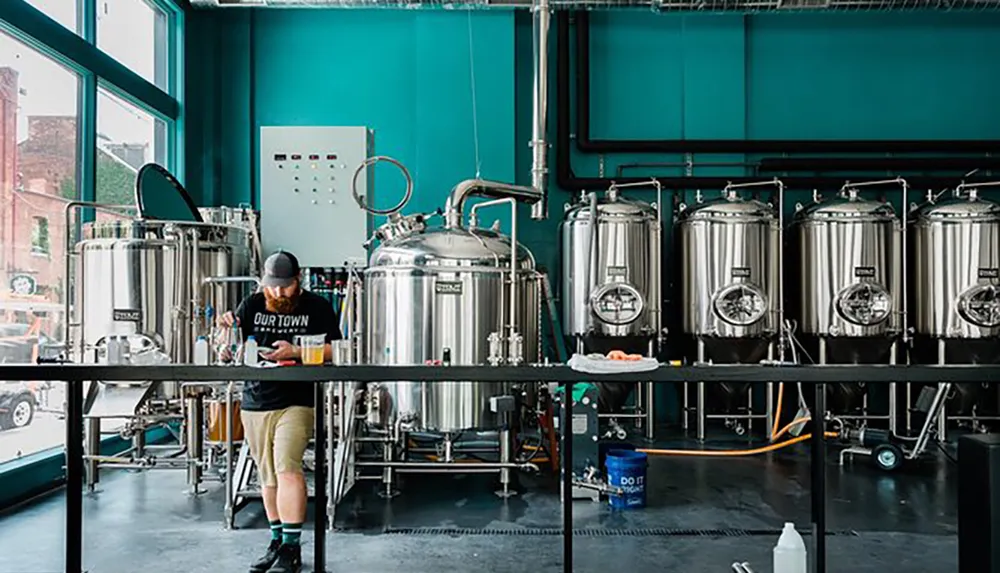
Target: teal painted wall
point(407, 75)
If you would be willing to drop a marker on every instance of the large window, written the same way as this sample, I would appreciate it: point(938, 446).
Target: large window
point(38, 166)
point(73, 125)
point(127, 139)
point(135, 33)
point(66, 12)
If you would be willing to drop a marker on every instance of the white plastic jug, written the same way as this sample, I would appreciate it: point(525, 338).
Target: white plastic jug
point(250, 352)
point(201, 351)
point(790, 552)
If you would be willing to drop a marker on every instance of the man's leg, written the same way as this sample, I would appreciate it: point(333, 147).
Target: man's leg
point(292, 433)
point(259, 431)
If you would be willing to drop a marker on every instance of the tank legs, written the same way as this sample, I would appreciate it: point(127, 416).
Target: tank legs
point(506, 457)
point(92, 447)
point(650, 410)
point(194, 422)
point(942, 420)
point(700, 413)
point(893, 397)
point(769, 401)
point(388, 489)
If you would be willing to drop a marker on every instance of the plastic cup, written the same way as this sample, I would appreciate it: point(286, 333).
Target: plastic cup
point(312, 348)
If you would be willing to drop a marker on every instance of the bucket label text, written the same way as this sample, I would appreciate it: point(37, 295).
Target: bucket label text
point(631, 484)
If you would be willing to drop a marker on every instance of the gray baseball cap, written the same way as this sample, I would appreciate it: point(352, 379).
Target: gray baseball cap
point(280, 270)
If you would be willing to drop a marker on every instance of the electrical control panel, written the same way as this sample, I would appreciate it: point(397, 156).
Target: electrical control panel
point(306, 202)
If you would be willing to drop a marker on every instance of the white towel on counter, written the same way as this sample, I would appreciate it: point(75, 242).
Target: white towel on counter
point(599, 364)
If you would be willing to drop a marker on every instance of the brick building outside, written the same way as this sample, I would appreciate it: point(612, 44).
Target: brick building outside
point(37, 179)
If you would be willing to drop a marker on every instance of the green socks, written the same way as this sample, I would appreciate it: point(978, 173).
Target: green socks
point(291, 533)
point(275, 530)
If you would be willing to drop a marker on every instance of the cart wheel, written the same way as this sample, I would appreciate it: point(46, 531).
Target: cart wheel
point(887, 457)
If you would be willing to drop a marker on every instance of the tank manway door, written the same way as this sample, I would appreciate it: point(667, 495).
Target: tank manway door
point(617, 304)
point(980, 305)
point(740, 304)
point(864, 304)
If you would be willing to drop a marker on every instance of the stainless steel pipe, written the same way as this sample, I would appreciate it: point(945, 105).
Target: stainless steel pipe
point(455, 205)
point(512, 310)
point(541, 18)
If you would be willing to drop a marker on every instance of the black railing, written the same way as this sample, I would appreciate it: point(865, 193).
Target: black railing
point(77, 374)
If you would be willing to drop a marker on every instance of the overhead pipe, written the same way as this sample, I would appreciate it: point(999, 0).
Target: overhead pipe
point(454, 207)
point(536, 194)
point(541, 19)
point(567, 180)
point(587, 145)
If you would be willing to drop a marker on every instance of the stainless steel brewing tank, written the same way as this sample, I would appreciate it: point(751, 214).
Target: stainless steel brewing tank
point(956, 268)
point(729, 250)
point(445, 291)
point(624, 299)
point(141, 279)
point(849, 268)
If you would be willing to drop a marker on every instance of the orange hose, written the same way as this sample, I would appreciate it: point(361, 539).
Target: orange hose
point(791, 424)
point(777, 411)
point(734, 453)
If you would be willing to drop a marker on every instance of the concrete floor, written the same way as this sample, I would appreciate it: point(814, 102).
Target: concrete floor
point(703, 514)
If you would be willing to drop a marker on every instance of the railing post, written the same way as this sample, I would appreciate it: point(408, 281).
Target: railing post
point(818, 486)
point(319, 474)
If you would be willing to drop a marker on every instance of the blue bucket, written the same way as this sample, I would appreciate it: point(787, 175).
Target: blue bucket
point(627, 470)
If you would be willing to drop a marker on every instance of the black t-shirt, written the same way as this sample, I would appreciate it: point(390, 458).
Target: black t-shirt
point(313, 314)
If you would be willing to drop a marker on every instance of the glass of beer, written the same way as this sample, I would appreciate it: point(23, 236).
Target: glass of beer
point(312, 348)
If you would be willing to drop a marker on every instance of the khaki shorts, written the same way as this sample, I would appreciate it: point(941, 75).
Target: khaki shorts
point(278, 440)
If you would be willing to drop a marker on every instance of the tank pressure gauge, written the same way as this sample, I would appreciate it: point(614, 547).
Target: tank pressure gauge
point(864, 304)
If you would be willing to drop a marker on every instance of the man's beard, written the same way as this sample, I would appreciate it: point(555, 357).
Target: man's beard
point(281, 304)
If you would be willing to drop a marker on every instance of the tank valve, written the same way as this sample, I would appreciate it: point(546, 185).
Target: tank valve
point(515, 352)
point(496, 355)
point(735, 427)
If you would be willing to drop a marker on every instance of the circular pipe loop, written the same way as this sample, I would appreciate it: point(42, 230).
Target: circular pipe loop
point(370, 162)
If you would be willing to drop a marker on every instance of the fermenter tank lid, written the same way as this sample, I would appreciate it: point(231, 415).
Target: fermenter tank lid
point(730, 206)
point(614, 207)
point(963, 207)
point(848, 206)
point(443, 247)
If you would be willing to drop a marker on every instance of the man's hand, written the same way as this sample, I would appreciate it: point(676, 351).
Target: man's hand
point(283, 351)
point(227, 320)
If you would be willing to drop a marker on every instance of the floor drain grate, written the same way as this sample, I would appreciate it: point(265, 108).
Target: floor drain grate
point(597, 532)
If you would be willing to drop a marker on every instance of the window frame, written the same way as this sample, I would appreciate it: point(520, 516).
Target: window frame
point(39, 472)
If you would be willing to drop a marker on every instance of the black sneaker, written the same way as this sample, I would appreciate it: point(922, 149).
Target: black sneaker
point(289, 560)
point(269, 558)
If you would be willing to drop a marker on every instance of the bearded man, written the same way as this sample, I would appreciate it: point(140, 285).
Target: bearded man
point(278, 417)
